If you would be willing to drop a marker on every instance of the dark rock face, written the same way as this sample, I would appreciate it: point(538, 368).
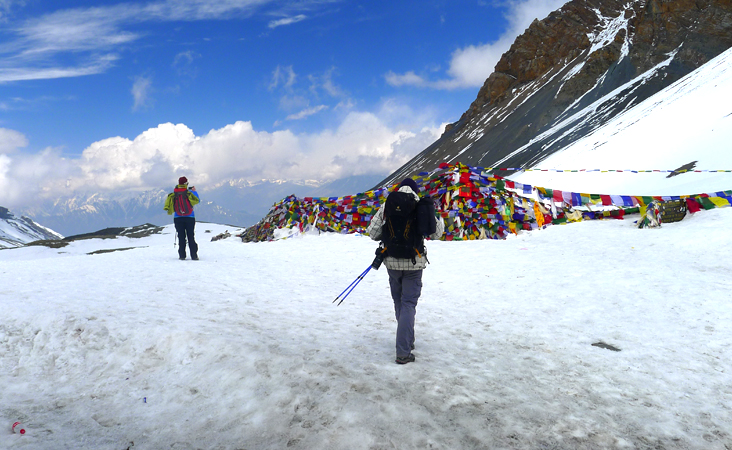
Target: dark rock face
point(607, 54)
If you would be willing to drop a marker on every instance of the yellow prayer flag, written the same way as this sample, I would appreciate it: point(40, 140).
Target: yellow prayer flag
point(539, 216)
point(719, 202)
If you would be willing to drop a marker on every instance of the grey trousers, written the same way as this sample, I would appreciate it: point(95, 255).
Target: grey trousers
point(406, 287)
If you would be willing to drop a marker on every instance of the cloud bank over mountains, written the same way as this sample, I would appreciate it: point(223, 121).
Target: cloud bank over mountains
point(363, 143)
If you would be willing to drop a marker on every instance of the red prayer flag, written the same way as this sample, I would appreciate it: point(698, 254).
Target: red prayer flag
point(692, 205)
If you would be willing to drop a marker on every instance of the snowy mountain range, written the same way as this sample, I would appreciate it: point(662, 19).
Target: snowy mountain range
point(238, 202)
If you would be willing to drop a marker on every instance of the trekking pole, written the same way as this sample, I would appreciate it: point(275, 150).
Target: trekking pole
point(351, 286)
point(380, 255)
point(175, 239)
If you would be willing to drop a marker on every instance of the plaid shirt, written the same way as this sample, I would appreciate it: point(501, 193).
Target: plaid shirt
point(374, 231)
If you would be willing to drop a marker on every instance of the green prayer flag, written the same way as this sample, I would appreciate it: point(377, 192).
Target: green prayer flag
point(705, 202)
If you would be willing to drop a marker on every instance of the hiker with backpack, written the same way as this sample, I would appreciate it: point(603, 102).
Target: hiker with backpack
point(180, 203)
point(401, 225)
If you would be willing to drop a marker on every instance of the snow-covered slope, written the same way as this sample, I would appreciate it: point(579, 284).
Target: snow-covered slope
point(134, 349)
point(688, 122)
point(15, 232)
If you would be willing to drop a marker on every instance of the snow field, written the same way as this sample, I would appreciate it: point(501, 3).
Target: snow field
point(244, 349)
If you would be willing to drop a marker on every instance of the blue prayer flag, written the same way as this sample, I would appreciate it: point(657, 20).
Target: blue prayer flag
point(576, 199)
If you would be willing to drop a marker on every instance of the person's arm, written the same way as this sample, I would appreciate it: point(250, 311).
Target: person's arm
point(439, 229)
point(194, 198)
point(376, 224)
point(169, 204)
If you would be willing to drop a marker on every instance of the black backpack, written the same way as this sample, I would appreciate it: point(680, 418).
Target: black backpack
point(400, 231)
point(426, 220)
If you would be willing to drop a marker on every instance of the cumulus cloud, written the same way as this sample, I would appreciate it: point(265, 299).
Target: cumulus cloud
point(26, 179)
point(141, 89)
point(470, 66)
point(11, 140)
point(363, 143)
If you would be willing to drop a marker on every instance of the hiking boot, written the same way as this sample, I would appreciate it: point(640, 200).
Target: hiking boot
point(405, 359)
point(195, 258)
point(182, 258)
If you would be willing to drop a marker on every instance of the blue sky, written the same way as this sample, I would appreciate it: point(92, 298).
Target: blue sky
point(104, 96)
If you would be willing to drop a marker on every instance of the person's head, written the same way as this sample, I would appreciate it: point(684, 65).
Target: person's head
point(411, 183)
point(183, 180)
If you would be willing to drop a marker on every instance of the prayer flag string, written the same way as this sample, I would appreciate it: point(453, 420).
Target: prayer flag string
point(474, 203)
point(530, 169)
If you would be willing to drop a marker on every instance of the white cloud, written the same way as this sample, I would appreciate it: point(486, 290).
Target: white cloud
point(297, 100)
point(287, 21)
point(11, 140)
point(296, 97)
point(470, 66)
point(324, 82)
point(407, 79)
point(25, 179)
point(306, 112)
point(98, 65)
point(141, 89)
point(183, 63)
point(283, 77)
point(363, 143)
point(184, 58)
point(6, 6)
point(79, 34)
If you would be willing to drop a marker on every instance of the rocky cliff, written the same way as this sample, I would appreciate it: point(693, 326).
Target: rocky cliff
point(571, 72)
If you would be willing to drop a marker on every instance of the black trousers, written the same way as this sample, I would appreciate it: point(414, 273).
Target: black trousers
point(185, 227)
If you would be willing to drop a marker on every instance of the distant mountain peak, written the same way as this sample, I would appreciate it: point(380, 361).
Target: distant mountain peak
point(16, 232)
